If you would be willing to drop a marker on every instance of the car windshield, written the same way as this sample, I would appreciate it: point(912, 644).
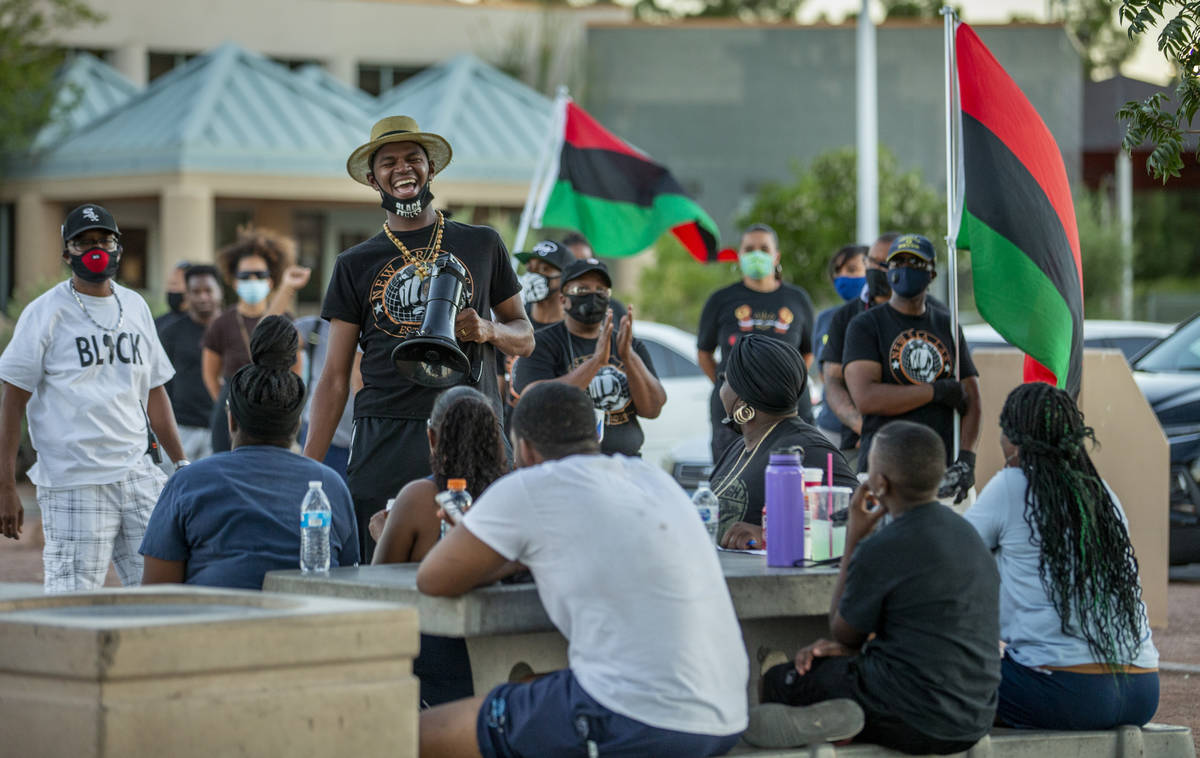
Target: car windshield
point(1178, 352)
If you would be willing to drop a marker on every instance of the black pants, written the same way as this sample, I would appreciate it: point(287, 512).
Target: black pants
point(831, 678)
point(385, 455)
point(218, 423)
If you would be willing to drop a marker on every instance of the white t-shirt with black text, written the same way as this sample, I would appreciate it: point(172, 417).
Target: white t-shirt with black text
point(90, 385)
point(626, 571)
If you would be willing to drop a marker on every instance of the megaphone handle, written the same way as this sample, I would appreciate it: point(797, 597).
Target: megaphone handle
point(477, 373)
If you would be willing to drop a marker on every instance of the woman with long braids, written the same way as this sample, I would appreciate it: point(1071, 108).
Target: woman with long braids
point(464, 443)
point(227, 520)
point(1078, 649)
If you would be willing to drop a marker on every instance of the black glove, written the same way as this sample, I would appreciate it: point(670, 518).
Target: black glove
point(959, 478)
point(950, 393)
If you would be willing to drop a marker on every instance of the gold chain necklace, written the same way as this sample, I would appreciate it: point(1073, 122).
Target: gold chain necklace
point(435, 239)
point(734, 471)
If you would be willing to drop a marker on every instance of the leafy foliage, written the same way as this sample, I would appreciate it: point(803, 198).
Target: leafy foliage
point(673, 289)
point(28, 61)
point(814, 213)
point(1151, 120)
point(1100, 249)
point(1091, 26)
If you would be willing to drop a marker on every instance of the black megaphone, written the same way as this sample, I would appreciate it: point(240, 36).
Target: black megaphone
point(432, 357)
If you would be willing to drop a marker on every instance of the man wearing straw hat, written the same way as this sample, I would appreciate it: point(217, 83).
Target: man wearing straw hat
point(376, 298)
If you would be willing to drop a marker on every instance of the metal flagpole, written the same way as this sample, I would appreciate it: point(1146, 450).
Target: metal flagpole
point(868, 129)
point(951, 199)
point(553, 143)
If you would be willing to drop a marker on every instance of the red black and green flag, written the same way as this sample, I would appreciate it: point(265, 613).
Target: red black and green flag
point(617, 196)
point(1018, 220)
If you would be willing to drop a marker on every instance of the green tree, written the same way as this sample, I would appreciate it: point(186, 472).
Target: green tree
point(1093, 29)
point(28, 60)
point(1100, 251)
point(1151, 120)
point(814, 212)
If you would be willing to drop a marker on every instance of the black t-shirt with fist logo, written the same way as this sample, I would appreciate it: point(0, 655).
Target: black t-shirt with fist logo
point(558, 353)
point(910, 350)
point(375, 287)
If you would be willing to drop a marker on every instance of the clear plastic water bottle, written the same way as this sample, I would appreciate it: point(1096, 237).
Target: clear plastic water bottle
point(709, 509)
point(315, 519)
point(455, 501)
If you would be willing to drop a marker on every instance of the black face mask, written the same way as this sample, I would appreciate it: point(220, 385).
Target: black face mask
point(909, 282)
point(589, 308)
point(95, 265)
point(175, 301)
point(406, 208)
point(877, 284)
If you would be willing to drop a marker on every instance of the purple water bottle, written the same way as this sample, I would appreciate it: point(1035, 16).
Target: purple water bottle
point(785, 507)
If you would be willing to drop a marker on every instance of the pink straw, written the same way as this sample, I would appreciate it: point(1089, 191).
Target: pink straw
point(829, 507)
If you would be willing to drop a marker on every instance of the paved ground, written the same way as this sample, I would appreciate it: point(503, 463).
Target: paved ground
point(1178, 644)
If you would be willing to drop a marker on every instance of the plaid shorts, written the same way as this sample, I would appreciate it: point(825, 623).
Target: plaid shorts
point(89, 525)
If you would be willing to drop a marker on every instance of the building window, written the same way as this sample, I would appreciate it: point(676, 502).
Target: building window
point(309, 230)
point(98, 52)
point(377, 78)
point(295, 63)
point(133, 258)
point(161, 63)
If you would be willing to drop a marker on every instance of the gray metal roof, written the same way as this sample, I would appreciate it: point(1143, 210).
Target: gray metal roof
point(496, 125)
point(234, 111)
point(317, 75)
point(86, 88)
point(229, 110)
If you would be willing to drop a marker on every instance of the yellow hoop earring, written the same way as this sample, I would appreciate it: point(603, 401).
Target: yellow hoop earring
point(743, 415)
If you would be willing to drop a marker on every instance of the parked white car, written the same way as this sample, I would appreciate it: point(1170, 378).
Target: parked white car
point(1130, 337)
point(685, 416)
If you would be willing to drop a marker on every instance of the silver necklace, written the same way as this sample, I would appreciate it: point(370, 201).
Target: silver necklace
point(97, 324)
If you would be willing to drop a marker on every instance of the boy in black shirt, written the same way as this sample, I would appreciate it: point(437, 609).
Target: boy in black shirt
point(899, 363)
point(928, 589)
point(614, 369)
point(376, 297)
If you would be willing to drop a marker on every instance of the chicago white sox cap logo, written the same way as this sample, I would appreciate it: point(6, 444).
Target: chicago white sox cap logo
point(90, 214)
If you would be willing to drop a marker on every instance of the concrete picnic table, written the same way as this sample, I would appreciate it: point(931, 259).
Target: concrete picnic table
point(507, 629)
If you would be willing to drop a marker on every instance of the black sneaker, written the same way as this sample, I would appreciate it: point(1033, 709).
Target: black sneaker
point(777, 725)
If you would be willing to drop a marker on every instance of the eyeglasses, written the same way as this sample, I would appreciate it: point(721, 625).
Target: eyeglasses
point(245, 275)
point(909, 261)
point(108, 244)
point(587, 291)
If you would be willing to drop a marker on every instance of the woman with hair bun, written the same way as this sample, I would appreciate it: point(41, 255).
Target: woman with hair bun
point(1078, 652)
point(227, 520)
point(255, 266)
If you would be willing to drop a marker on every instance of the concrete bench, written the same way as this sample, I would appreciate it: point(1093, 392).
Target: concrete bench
point(1157, 740)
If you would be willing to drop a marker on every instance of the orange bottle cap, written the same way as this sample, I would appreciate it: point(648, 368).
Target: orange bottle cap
point(456, 484)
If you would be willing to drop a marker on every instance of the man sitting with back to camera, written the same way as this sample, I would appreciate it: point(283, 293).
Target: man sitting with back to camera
point(626, 572)
point(929, 591)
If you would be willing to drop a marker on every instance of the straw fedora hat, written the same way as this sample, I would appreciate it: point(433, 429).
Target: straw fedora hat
point(398, 129)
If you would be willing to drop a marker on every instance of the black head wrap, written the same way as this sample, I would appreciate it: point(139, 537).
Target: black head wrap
point(265, 396)
point(769, 375)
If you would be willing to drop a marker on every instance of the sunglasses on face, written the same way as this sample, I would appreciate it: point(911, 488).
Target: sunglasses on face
point(244, 275)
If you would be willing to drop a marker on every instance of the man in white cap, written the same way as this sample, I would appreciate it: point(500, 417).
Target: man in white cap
point(377, 297)
point(86, 366)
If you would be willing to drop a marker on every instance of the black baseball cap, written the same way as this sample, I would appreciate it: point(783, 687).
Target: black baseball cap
point(913, 244)
point(88, 216)
point(578, 268)
point(551, 252)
